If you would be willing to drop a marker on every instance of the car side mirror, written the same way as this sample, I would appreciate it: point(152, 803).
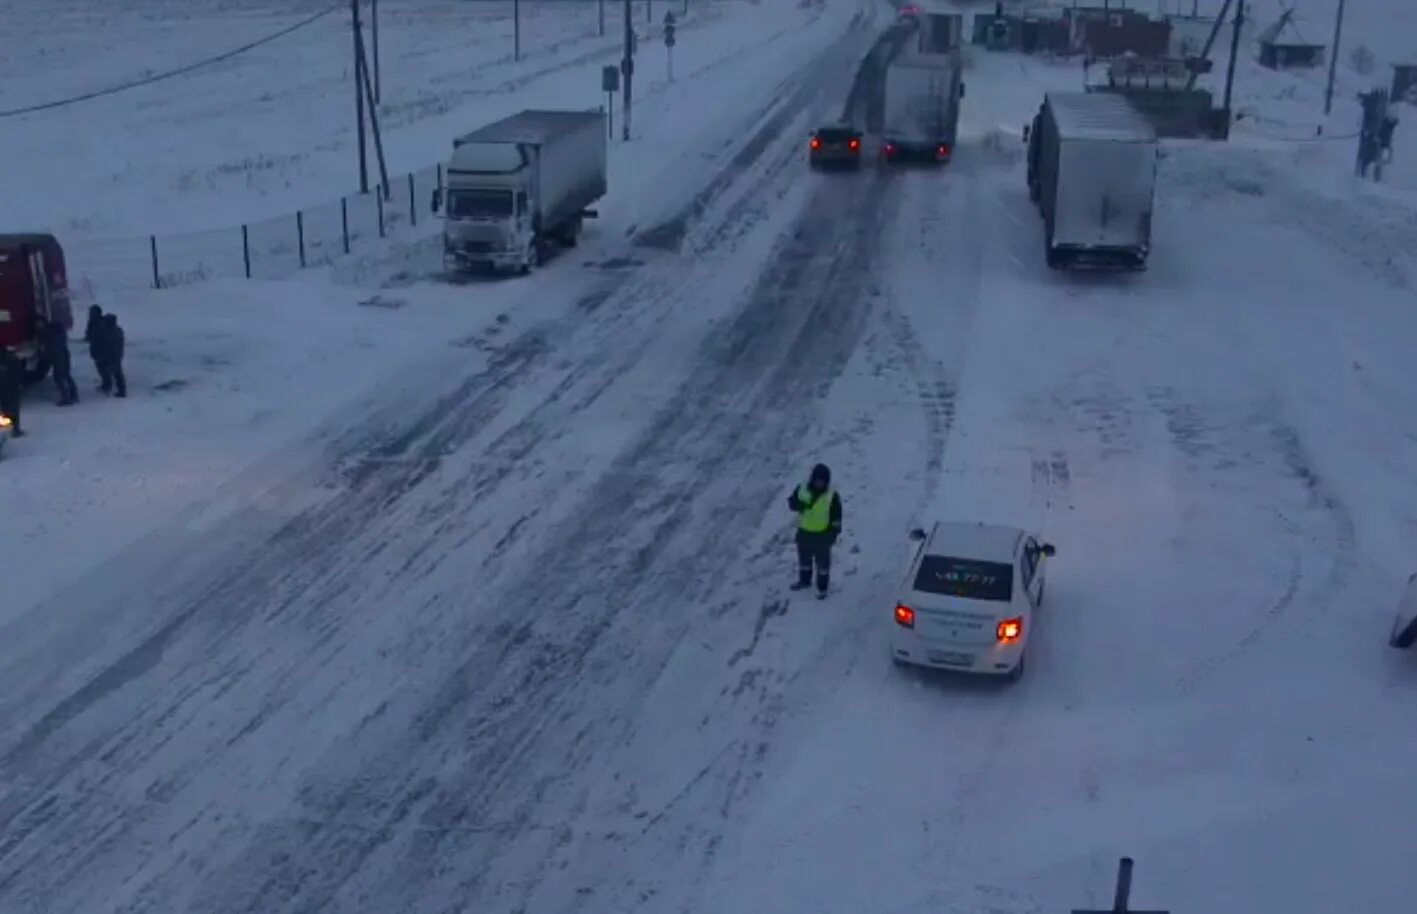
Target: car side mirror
point(1026, 131)
point(437, 200)
point(1049, 550)
point(917, 534)
point(961, 90)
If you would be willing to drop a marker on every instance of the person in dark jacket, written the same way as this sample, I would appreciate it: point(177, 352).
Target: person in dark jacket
point(54, 341)
point(111, 346)
point(12, 378)
point(818, 510)
point(93, 335)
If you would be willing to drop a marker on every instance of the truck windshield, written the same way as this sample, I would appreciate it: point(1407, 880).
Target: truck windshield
point(479, 204)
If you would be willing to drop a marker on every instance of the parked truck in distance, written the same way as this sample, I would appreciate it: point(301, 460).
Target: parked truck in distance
point(516, 187)
point(922, 98)
point(1092, 161)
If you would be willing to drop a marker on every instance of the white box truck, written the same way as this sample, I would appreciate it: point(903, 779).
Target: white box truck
point(517, 186)
point(1092, 161)
point(922, 98)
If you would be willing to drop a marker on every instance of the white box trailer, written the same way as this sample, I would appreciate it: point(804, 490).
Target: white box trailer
point(1092, 162)
point(922, 100)
point(516, 186)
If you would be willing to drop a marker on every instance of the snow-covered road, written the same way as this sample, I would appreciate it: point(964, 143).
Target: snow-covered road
point(517, 640)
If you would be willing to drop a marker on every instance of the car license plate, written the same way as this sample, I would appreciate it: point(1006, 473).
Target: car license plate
point(952, 658)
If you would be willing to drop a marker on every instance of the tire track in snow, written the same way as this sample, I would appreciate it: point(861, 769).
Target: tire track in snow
point(312, 546)
point(291, 865)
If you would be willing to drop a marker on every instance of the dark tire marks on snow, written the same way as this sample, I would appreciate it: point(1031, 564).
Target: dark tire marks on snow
point(786, 346)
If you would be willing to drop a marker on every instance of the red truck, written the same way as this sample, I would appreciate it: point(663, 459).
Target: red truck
point(34, 288)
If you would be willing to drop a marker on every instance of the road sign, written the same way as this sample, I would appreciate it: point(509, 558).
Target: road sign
point(610, 79)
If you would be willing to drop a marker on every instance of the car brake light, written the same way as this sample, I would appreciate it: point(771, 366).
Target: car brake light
point(5, 421)
point(904, 616)
point(855, 144)
point(944, 151)
point(1010, 630)
point(816, 143)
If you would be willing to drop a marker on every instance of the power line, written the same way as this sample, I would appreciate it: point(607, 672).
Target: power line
point(113, 90)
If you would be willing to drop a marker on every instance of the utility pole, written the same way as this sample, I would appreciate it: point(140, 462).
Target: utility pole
point(359, 97)
point(1333, 58)
point(1230, 71)
point(627, 67)
point(600, 7)
point(516, 29)
point(374, 123)
point(378, 85)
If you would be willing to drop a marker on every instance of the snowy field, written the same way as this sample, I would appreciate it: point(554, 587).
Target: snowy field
point(386, 593)
point(273, 130)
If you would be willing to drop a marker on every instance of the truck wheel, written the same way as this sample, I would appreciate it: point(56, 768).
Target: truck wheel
point(1015, 674)
point(572, 235)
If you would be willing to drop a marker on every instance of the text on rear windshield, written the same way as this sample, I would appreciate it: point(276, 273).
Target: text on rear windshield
point(967, 578)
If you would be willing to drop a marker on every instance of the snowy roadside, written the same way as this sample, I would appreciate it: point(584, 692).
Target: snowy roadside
point(225, 373)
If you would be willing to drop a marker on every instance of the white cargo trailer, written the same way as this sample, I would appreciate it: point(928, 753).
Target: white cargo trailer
point(922, 99)
point(516, 186)
point(1092, 162)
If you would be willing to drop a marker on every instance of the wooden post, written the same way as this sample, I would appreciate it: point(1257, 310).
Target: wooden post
point(157, 277)
point(412, 202)
point(300, 235)
point(344, 220)
point(246, 250)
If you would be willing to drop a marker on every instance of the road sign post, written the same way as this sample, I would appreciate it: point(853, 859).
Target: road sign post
point(1123, 895)
point(610, 84)
point(669, 42)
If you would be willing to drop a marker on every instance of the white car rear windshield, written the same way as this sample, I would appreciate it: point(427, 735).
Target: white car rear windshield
point(967, 578)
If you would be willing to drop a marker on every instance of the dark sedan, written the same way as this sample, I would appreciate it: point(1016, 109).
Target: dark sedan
point(838, 145)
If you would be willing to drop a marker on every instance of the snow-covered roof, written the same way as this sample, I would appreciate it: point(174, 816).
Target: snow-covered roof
point(1098, 116)
point(1286, 33)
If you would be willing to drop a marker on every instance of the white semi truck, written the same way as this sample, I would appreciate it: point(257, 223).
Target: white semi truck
point(922, 98)
point(520, 185)
point(1092, 162)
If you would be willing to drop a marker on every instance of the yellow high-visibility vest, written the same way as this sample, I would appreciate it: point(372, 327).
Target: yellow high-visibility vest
point(817, 516)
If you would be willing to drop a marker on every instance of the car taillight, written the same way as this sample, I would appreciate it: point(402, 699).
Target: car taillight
point(1010, 630)
point(5, 421)
point(855, 144)
point(904, 616)
point(944, 151)
point(890, 149)
point(816, 143)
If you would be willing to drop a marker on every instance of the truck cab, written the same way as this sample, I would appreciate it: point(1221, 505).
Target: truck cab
point(488, 217)
point(34, 289)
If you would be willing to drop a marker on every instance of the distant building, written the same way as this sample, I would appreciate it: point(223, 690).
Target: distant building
point(1282, 47)
point(1104, 32)
point(1188, 34)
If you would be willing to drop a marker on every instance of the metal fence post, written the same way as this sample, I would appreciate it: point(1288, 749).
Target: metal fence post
point(379, 199)
point(440, 175)
point(412, 202)
point(157, 277)
point(246, 249)
point(300, 235)
point(344, 220)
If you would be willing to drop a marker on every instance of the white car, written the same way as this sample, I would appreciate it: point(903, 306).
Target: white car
point(968, 599)
point(1404, 627)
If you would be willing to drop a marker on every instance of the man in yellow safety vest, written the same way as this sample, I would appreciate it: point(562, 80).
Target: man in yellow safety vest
point(818, 510)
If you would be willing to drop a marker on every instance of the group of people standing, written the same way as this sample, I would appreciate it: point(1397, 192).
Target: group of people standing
point(106, 342)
